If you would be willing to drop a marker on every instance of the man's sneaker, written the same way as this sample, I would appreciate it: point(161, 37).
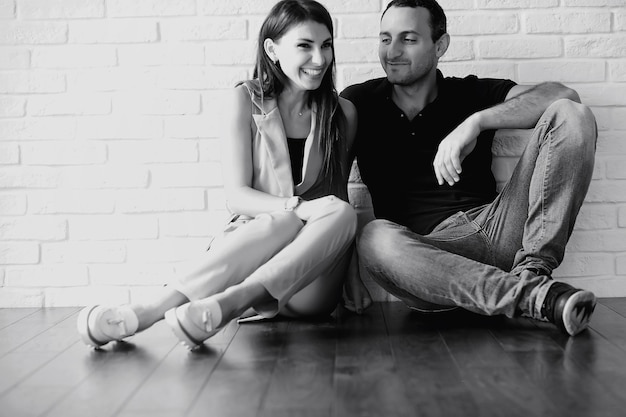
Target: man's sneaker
point(568, 308)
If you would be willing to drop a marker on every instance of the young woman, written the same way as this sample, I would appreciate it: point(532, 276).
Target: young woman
point(286, 145)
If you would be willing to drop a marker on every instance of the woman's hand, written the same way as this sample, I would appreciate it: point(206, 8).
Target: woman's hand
point(356, 297)
point(308, 208)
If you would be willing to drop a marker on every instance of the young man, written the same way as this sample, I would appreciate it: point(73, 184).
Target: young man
point(443, 237)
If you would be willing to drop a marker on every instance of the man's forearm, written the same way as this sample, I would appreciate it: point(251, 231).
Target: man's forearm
point(523, 111)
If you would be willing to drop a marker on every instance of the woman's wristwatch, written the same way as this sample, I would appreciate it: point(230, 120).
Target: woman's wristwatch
point(292, 202)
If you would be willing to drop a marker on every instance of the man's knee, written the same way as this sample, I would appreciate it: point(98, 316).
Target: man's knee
point(375, 240)
point(578, 115)
point(572, 108)
point(373, 231)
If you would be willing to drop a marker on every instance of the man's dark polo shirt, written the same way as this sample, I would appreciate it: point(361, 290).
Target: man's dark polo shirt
point(395, 155)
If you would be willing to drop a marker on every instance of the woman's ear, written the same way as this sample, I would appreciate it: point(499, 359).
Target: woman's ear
point(270, 49)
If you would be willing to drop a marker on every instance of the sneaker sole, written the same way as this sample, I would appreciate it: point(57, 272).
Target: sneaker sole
point(577, 312)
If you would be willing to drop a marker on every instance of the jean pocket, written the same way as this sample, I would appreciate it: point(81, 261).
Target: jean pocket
point(457, 226)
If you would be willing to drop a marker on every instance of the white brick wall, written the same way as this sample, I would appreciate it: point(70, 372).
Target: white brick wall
point(109, 161)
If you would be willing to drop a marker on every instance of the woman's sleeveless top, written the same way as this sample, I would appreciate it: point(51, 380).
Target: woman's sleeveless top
point(270, 155)
point(296, 155)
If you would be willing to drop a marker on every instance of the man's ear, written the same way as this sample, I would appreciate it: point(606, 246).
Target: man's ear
point(441, 46)
point(270, 49)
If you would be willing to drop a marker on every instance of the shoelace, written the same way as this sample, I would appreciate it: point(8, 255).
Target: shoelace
point(207, 320)
point(119, 322)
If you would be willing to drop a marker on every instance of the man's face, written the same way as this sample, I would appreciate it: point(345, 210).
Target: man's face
point(406, 50)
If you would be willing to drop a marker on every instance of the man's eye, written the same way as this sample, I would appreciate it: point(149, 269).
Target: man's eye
point(385, 41)
point(410, 40)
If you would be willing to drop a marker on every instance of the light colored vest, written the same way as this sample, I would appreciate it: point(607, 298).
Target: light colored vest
point(270, 155)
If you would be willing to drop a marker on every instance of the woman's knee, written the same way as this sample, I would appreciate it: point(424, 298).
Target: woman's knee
point(343, 214)
point(283, 222)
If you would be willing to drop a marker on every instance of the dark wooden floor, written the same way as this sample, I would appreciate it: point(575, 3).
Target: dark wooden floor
point(389, 362)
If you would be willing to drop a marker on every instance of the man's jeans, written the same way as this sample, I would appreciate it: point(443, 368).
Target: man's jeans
point(485, 260)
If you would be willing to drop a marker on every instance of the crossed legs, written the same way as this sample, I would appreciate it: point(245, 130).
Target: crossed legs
point(276, 263)
point(496, 259)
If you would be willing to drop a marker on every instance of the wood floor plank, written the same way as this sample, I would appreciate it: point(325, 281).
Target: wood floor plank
point(609, 324)
point(572, 390)
point(495, 380)
point(9, 316)
point(568, 388)
point(34, 352)
point(616, 304)
point(178, 379)
point(366, 380)
point(15, 367)
point(388, 362)
point(21, 370)
point(433, 384)
point(239, 383)
point(302, 381)
point(595, 357)
point(122, 368)
point(20, 332)
point(30, 401)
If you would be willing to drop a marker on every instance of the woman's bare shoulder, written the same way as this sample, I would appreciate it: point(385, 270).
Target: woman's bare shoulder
point(235, 103)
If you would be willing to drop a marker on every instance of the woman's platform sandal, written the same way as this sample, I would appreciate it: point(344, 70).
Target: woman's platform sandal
point(188, 332)
point(99, 325)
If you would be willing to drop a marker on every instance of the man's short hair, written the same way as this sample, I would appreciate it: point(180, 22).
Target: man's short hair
point(437, 15)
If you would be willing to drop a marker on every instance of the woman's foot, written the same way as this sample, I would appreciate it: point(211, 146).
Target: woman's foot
point(192, 332)
point(99, 325)
point(197, 321)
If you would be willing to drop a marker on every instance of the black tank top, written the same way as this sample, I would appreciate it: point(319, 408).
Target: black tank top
point(296, 154)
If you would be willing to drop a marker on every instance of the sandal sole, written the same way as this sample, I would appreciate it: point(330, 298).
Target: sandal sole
point(82, 325)
point(172, 321)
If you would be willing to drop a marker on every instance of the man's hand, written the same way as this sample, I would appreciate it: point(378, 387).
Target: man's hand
point(453, 150)
point(356, 297)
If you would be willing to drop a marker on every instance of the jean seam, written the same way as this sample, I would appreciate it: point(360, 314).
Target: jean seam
point(542, 293)
point(381, 274)
point(544, 189)
point(466, 221)
point(452, 239)
point(487, 241)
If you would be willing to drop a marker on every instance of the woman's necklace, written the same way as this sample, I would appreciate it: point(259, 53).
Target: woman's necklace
point(303, 111)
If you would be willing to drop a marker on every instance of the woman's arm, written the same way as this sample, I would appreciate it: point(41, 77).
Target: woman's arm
point(236, 146)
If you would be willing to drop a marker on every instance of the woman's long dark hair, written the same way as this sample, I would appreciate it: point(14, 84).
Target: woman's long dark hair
point(331, 122)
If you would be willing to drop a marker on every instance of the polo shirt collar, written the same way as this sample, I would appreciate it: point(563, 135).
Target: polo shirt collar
point(384, 89)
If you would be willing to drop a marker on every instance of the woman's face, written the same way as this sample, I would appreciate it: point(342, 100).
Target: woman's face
point(305, 52)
